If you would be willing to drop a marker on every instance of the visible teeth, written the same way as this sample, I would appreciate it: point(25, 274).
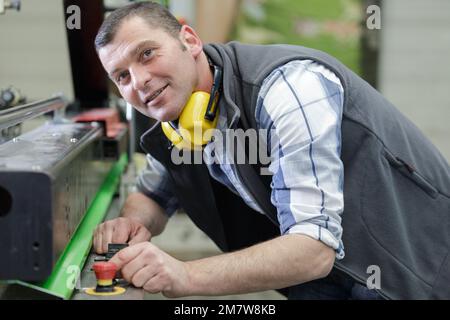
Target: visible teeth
point(156, 94)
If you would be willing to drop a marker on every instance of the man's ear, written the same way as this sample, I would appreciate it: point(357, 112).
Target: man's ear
point(191, 40)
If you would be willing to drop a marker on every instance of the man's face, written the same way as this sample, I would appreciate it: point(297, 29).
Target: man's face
point(153, 71)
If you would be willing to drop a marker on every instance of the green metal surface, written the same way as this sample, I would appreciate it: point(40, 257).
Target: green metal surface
point(62, 281)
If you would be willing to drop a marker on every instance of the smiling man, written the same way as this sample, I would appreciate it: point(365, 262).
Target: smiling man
point(156, 71)
point(283, 231)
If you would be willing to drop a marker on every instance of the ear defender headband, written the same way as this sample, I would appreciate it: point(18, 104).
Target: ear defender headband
point(199, 115)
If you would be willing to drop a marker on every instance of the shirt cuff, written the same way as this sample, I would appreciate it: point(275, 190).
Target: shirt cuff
point(321, 234)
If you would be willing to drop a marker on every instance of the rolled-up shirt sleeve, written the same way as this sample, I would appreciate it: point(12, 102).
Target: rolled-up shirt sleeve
point(155, 183)
point(300, 106)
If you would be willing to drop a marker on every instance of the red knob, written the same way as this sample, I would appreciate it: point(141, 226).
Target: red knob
point(104, 270)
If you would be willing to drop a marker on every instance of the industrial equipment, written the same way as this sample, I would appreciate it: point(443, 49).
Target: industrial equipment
point(56, 184)
point(60, 180)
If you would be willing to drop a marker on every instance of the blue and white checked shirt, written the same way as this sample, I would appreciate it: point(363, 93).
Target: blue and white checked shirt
point(300, 105)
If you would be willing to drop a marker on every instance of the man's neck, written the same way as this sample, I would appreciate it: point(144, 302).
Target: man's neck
point(205, 80)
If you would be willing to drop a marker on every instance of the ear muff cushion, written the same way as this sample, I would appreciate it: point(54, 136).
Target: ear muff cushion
point(194, 131)
point(197, 129)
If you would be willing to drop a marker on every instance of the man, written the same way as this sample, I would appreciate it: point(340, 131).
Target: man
point(332, 139)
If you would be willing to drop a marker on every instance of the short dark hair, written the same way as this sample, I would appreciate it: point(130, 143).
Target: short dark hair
point(154, 14)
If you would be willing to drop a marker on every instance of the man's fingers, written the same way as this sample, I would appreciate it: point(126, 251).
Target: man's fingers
point(153, 285)
point(130, 270)
point(142, 235)
point(119, 230)
point(98, 242)
point(107, 235)
point(125, 255)
point(142, 276)
point(121, 233)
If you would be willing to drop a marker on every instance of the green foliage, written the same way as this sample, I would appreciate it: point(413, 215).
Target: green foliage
point(328, 25)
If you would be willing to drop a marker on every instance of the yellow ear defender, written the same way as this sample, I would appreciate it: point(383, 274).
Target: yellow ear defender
point(199, 115)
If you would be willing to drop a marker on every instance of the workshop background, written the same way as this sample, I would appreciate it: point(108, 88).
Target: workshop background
point(407, 60)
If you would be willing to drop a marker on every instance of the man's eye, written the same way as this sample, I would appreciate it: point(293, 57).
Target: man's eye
point(122, 76)
point(147, 53)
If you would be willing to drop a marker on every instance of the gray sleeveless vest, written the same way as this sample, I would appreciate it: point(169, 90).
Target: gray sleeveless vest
point(396, 183)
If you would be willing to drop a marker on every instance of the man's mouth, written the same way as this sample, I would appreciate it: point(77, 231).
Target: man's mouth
point(155, 94)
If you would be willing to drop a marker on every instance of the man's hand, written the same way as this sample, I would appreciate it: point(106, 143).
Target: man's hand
point(119, 230)
point(273, 264)
point(146, 266)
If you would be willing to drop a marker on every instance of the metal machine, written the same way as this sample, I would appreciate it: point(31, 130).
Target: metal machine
point(9, 98)
point(59, 181)
point(53, 181)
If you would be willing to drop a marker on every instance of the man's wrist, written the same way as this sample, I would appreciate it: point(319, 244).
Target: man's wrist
point(190, 287)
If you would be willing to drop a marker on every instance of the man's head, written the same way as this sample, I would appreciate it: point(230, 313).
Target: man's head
point(155, 62)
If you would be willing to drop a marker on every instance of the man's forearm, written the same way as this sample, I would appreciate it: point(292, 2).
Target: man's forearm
point(274, 264)
point(146, 211)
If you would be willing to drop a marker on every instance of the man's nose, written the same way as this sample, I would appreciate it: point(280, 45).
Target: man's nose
point(140, 78)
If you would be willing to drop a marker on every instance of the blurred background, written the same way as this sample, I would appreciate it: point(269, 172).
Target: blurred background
point(406, 59)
